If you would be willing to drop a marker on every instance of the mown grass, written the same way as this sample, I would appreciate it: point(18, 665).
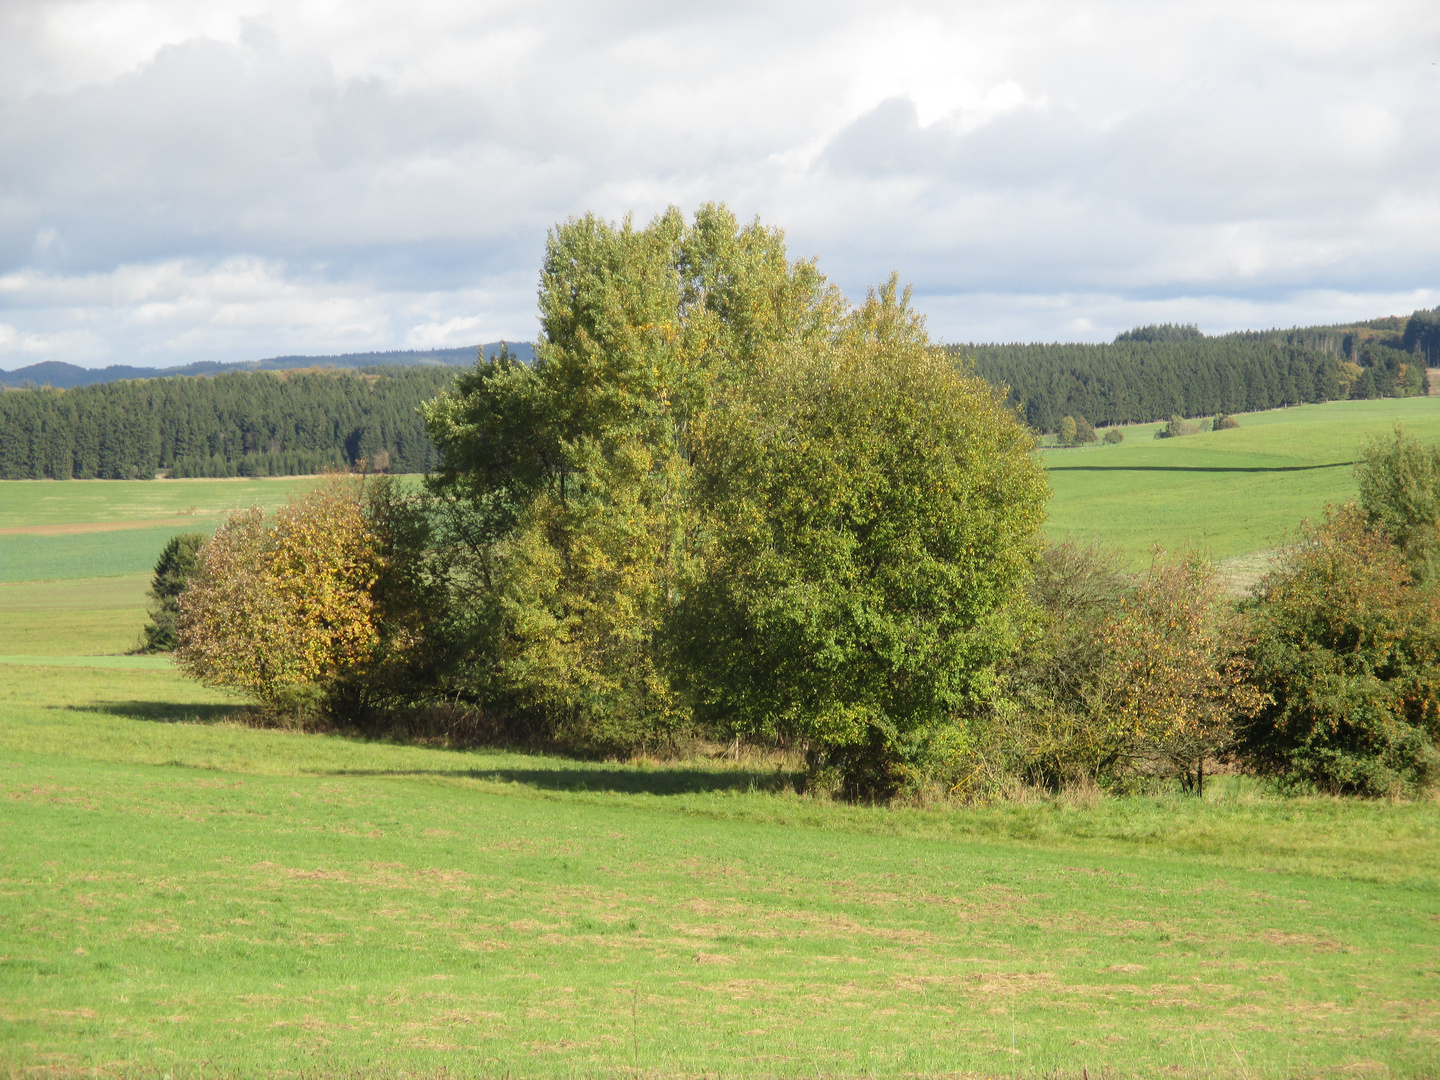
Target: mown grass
point(1229, 492)
point(181, 895)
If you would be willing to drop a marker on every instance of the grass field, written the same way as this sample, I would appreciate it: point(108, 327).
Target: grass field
point(182, 896)
point(53, 529)
point(1229, 492)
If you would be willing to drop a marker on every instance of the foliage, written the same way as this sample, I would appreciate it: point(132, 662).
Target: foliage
point(1050, 719)
point(1422, 336)
point(281, 607)
point(1136, 381)
point(1076, 431)
point(1162, 332)
point(566, 484)
point(1224, 422)
point(1153, 372)
point(1113, 436)
point(874, 514)
point(1180, 672)
point(1110, 679)
point(1399, 482)
point(1348, 649)
point(172, 573)
point(238, 424)
point(1176, 428)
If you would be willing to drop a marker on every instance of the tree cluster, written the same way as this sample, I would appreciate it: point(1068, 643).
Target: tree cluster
point(239, 424)
point(724, 502)
point(721, 500)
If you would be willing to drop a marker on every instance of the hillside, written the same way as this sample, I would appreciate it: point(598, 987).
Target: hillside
point(264, 423)
point(1153, 372)
point(63, 376)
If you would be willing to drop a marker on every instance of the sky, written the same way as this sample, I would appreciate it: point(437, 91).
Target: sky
point(240, 179)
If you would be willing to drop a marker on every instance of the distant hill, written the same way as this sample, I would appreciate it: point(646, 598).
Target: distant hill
point(65, 376)
point(1157, 371)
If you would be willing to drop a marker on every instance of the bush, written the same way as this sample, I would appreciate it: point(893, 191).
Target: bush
point(1347, 648)
point(172, 573)
point(1109, 682)
point(1399, 482)
point(1084, 432)
point(282, 607)
point(1224, 422)
point(1113, 436)
point(1068, 429)
point(1176, 427)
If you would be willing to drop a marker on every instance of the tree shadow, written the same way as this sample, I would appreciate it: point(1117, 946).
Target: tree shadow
point(165, 712)
point(649, 781)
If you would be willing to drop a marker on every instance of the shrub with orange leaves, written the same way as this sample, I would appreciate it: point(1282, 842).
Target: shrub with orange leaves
point(282, 607)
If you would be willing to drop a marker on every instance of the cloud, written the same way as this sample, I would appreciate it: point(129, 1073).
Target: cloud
point(248, 177)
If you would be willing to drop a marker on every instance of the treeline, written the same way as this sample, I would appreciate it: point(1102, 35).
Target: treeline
point(251, 424)
point(1152, 373)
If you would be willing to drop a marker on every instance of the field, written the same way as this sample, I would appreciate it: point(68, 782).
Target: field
point(1229, 492)
point(183, 896)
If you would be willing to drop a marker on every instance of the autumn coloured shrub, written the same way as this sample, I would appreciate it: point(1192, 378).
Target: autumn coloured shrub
point(281, 606)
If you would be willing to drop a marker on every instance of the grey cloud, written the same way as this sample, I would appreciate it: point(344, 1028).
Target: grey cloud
point(405, 169)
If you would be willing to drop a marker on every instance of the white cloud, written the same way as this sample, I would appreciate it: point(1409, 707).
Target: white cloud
point(251, 177)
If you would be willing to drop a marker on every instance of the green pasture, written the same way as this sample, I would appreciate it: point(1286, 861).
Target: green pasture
point(64, 507)
point(1229, 492)
point(182, 895)
point(64, 502)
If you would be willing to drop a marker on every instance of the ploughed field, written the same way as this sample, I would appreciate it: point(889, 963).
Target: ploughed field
point(184, 896)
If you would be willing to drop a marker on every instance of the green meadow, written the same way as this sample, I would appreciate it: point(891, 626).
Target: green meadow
point(185, 896)
point(1228, 492)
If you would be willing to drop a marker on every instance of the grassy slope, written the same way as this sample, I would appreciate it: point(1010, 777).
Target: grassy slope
point(1183, 491)
point(178, 892)
point(181, 894)
point(58, 502)
point(195, 506)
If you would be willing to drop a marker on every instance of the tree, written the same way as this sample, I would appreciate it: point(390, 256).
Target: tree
point(282, 607)
point(1179, 666)
point(1084, 431)
point(1399, 482)
point(567, 484)
point(172, 573)
point(1113, 436)
point(1347, 648)
point(1177, 427)
point(1068, 428)
point(873, 514)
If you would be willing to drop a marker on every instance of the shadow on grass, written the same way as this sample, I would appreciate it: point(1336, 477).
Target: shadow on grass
point(165, 712)
point(650, 781)
point(1198, 468)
